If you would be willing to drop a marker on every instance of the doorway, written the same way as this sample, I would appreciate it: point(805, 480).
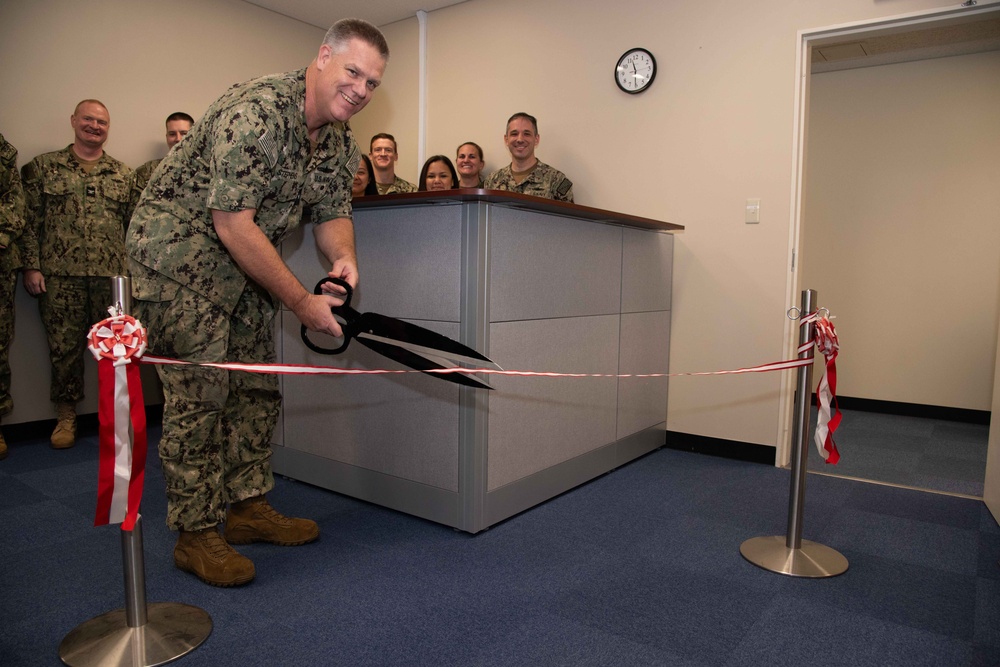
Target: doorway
point(839, 42)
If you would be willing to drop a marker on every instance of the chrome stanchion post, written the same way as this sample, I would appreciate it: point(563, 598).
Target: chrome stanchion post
point(139, 635)
point(790, 554)
point(800, 430)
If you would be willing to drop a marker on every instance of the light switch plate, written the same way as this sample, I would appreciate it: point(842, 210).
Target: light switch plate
point(753, 211)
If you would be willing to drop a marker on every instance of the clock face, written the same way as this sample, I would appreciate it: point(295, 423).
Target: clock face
point(635, 70)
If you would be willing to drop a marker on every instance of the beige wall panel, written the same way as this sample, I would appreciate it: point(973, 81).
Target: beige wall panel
point(144, 60)
point(902, 226)
point(714, 130)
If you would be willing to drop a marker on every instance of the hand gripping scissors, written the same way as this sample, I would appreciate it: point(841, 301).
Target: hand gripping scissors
point(409, 344)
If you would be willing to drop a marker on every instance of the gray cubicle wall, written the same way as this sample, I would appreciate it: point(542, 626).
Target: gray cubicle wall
point(533, 290)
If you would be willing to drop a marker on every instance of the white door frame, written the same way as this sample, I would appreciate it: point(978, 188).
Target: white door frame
point(807, 39)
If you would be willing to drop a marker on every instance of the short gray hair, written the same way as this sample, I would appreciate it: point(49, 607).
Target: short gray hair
point(344, 30)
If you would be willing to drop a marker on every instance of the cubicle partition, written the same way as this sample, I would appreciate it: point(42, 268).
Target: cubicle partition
point(533, 284)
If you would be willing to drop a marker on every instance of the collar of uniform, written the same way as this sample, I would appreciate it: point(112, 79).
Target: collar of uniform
point(103, 164)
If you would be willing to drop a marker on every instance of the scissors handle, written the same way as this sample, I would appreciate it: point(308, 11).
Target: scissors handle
point(345, 314)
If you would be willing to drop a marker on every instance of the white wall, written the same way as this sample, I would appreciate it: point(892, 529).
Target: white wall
point(715, 129)
point(901, 232)
point(144, 60)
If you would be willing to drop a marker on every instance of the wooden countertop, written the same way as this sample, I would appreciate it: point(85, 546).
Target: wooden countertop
point(514, 200)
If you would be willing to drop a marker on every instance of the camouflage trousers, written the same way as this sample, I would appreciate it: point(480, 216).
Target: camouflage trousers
point(69, 306)
point(8, 281)
point(217, 425)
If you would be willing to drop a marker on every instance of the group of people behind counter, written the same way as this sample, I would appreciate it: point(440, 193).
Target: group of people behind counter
point(199, 242)
point(526, 174)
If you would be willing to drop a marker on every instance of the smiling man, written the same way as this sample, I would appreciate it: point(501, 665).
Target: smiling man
point(383, 154)
point(178, 124)
point(208, 281)
point(526, 173)
point(76, 210)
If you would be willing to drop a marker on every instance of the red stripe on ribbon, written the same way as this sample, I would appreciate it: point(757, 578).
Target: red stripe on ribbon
point(115, 343)
point(106, 441)
point(301, 369)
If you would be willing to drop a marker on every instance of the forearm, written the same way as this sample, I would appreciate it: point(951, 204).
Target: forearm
point(335, 239)
point(260, 260)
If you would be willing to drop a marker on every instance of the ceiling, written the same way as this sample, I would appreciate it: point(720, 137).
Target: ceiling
point(954, 37)
point(945, 38)
point(324, 13)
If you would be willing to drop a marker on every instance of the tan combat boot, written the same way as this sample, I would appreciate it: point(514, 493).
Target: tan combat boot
point(3, 447)
point(207, 556)
point(254, 520)
point(64, 435)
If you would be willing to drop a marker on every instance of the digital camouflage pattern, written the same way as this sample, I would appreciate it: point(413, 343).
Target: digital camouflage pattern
point(140, 178)
point(217, 425)
point(75, 234)
point(69, 306)
point(543, 181)
point(398, 186)
point(251, 150)
point(11, 226)
point(75, 221)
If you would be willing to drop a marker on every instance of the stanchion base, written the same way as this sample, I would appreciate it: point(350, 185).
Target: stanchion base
point(811, 560)
point(172, 629)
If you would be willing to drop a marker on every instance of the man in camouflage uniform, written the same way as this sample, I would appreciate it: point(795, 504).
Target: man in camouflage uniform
point(11, 226)
point(208, 280)
point(76, 211)
point(526, 173)
point(178, 125)
point(382, 153)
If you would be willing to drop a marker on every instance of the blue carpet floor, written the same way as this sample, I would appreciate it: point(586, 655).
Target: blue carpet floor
point(925, 453)
point(638, 567)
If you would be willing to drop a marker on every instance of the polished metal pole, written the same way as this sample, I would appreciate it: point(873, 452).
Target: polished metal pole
point(800, 428)
point(140, 635)
point(791, 554)
point(133, 562)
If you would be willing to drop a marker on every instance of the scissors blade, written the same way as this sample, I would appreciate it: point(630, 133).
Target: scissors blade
point(446, 359)
point(417, 339)
point(421, 363)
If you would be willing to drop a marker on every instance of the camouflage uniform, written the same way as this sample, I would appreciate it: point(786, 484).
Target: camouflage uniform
point(543, 181)
point(398, 186)
point(140, 177)
point(75, 235)
point(250, 151)
point(11, 226)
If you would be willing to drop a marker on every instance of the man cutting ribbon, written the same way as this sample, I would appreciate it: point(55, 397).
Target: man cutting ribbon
point(208, 278)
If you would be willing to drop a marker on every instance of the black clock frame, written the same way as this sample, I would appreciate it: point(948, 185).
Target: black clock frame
point(618, 83)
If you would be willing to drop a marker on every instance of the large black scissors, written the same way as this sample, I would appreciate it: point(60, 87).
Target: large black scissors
point(411, 345)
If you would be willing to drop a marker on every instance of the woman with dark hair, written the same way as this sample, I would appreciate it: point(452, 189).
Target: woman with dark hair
point(438, 174)
point(364, 183)
point(469, 159)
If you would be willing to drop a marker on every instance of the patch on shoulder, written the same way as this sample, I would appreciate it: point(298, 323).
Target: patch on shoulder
point(7, 152)
point(268, 148)
point(353, 160)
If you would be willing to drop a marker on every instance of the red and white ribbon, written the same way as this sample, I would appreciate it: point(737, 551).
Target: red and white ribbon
point(825, 340)
point(826, 393)
point(116, 342)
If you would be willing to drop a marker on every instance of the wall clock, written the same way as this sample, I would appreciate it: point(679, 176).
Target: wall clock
point(635, 70)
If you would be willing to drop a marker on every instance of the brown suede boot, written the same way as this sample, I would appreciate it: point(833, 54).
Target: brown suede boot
point(254, 520)
point(64, 435)
point(206, 555)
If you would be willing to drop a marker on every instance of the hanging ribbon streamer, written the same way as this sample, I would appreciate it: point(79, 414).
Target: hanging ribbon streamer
point(116, 342)
point(826, 393)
